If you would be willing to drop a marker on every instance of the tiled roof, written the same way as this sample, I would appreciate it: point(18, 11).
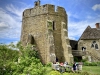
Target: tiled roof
point(91, 33)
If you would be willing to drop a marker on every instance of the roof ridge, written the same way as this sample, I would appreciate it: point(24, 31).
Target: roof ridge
point(90, 33)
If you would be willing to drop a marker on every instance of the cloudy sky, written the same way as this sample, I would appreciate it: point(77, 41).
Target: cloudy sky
point(81, 13)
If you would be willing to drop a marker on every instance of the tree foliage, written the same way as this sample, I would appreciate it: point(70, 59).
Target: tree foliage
point(22, 61)
point(28, 62)
point(6, 55)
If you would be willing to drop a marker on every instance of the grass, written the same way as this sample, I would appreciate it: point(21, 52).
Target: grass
point(92, 69)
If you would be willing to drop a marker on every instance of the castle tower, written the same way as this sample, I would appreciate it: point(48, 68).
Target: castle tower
point(47, 28)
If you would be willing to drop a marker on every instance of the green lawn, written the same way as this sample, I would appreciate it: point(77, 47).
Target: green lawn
point(92, 69)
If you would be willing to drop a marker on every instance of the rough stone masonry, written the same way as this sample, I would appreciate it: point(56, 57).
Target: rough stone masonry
point(46, 27)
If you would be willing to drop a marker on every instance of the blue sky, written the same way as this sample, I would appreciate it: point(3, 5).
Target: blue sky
point(81, 13)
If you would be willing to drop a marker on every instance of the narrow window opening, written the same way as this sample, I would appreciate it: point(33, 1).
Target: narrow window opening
point(53, 25)
point(92, 46)
point(96, 46)
point(32, 40)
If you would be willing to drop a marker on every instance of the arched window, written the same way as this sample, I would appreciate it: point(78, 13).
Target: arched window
point(94, 42)
point(31, 39)
point(96, 46)
point(83, 48)
point(92, 46)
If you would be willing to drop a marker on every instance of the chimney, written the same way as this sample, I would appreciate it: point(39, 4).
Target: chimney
point(97, 25)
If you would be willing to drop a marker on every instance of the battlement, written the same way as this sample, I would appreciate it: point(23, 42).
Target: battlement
point(44, 9)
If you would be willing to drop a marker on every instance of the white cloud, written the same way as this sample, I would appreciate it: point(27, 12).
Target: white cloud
point(11, 17)
point(10, 21)
point(70, 14)
point(3, 25)
point(75, 29)
point(15, 9)
point(89, 17)
point(96, 7)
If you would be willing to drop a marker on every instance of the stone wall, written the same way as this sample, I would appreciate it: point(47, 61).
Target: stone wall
point(65, 44)
point(90, 49)
point(44, 24)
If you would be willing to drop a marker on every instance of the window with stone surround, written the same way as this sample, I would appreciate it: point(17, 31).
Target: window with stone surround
point(51, 25)
point(94, 45)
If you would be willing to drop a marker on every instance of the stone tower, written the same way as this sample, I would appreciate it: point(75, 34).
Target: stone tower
point(46, 27)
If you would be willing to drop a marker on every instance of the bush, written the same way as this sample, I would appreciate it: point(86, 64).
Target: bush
point(86, 63)
point(90, 63)
point(85, 59)
point(69, 74)
point(49, 64)
point(98, 63)
point(93, 64)
point(54, 73)
point(76, 59)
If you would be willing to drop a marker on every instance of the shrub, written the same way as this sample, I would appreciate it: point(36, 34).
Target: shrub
point(85, 59)
point(90, 63)
point(93, 64)
point(68, 73)
point(76, 59)
point(54, 73)
point(86, 63)
point(98, 63)
point(49, 64)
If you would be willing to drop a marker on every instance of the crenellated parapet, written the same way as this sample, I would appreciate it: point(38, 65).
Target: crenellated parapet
point(44, 10)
